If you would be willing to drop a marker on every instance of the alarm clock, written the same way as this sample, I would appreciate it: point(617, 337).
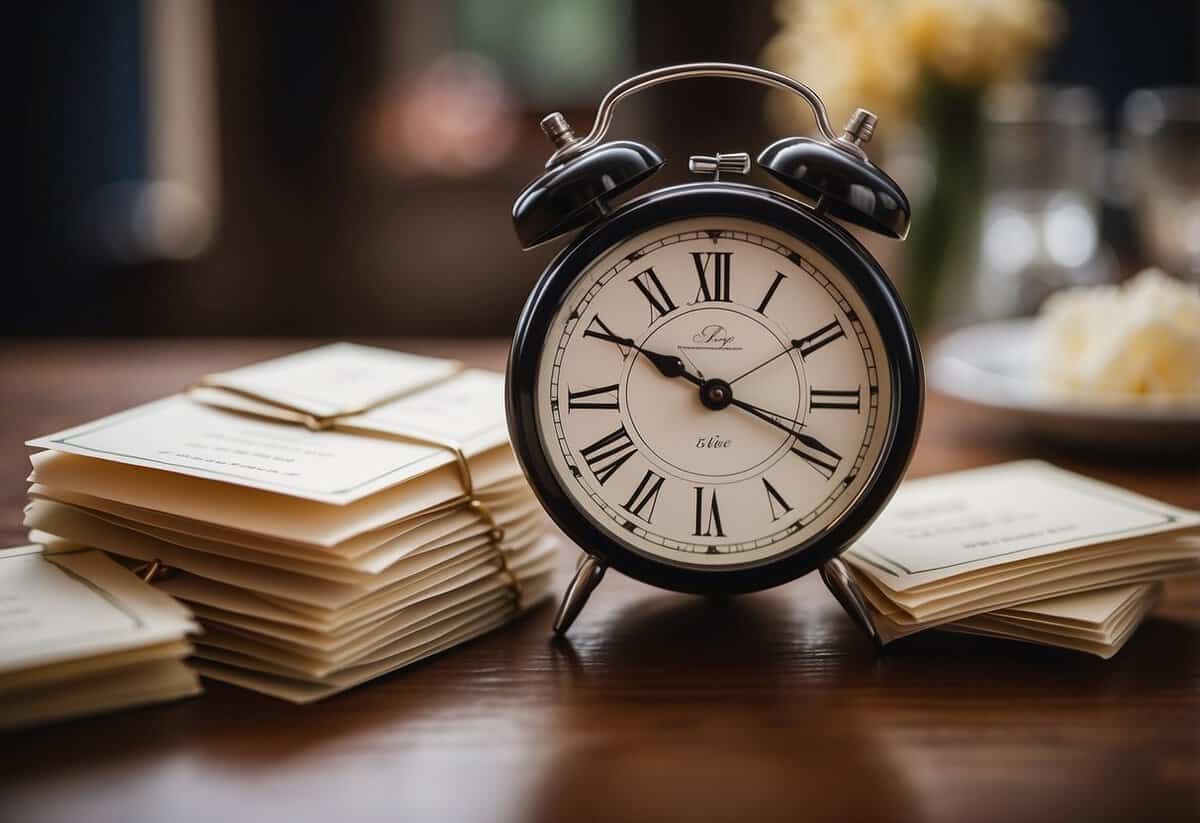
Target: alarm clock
point(713, 388)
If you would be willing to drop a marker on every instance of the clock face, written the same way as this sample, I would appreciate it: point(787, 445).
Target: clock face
point(713, 392)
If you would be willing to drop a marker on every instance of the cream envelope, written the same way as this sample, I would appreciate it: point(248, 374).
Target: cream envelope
point(1097, 622)
point(894, 626)
point(155, 681)
point(465, 410)
point(180, 436)
point(1163, 551)
point(269, 660)
point(1075, 577)
point(79, 605)
point(333, 380)
point(945, 526)
point(473, 533)
point(320, 663)
point(228, 603)
point(88, 528)
point(77, 525)
point(481, 561)
point(384, 642)
point(1086, 611)
point(272, 515)
point(209, 597)
point(226, 666)
point(371, 551)
point(1019, 592)
point(79, 634)
point(393, 620)
point(1004, 572)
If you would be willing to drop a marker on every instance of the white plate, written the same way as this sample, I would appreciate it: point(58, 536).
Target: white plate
point(989, 365)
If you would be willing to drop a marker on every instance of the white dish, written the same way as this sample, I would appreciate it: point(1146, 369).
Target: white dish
point(990, 365)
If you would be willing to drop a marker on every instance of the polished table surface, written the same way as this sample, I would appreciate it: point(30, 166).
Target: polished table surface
point(661, 706)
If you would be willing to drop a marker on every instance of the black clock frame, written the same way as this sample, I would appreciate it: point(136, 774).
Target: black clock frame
point(787, 215)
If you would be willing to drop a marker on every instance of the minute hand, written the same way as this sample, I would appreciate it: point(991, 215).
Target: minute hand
point(772, 418)
point(822, 458)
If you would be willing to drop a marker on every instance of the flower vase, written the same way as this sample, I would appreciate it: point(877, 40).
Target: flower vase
point(942, 245)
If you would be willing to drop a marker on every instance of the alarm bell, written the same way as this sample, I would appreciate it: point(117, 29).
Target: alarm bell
point(576, 191)
point(844, 186)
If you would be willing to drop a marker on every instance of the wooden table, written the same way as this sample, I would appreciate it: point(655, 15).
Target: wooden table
point(662, 707)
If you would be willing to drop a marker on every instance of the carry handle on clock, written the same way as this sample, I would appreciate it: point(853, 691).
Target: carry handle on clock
point(583, 174)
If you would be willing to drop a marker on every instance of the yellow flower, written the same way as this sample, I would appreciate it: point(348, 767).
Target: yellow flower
point(977, 42)
point(877, 53)
point(847, 52)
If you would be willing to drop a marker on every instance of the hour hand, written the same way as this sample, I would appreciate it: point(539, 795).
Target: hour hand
point(667, 365)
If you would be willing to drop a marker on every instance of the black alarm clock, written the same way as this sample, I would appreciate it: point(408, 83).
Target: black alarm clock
point(714, 388)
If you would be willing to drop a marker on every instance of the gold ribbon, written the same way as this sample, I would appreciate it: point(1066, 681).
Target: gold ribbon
point(470, 501)
point(154, 570)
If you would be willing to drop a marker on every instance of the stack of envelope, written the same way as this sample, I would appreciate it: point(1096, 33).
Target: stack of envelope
point(80, 634)
point(1096, 622)
point(329, 516)
point(1023, 550)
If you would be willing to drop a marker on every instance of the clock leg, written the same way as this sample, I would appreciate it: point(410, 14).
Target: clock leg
point(842, 586)
point(587, 575)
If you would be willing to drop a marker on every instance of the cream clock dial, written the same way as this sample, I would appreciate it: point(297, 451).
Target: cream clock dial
point(713, 392)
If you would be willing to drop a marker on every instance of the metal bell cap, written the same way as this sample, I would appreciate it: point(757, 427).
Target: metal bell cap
point(573, 193)
point(853, 190)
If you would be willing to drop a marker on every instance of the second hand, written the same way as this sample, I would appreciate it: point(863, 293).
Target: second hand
point(760, 365)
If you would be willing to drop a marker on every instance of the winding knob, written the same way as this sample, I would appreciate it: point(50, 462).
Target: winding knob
point(718, 164)
point(558, 130)
point(860, 127)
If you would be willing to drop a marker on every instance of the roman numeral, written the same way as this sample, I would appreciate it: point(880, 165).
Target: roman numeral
point(779, 278)
point(822, 458)
point(819, 339)
point(608, 454)
point(599, 329)
point(579, 399)
point(652, 289)
point(646, 494)
point(831, 399)
point(714, 284)
point(775, 501)
point(714, 515)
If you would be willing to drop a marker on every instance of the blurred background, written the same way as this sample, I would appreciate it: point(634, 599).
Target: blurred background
point(348, 168)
